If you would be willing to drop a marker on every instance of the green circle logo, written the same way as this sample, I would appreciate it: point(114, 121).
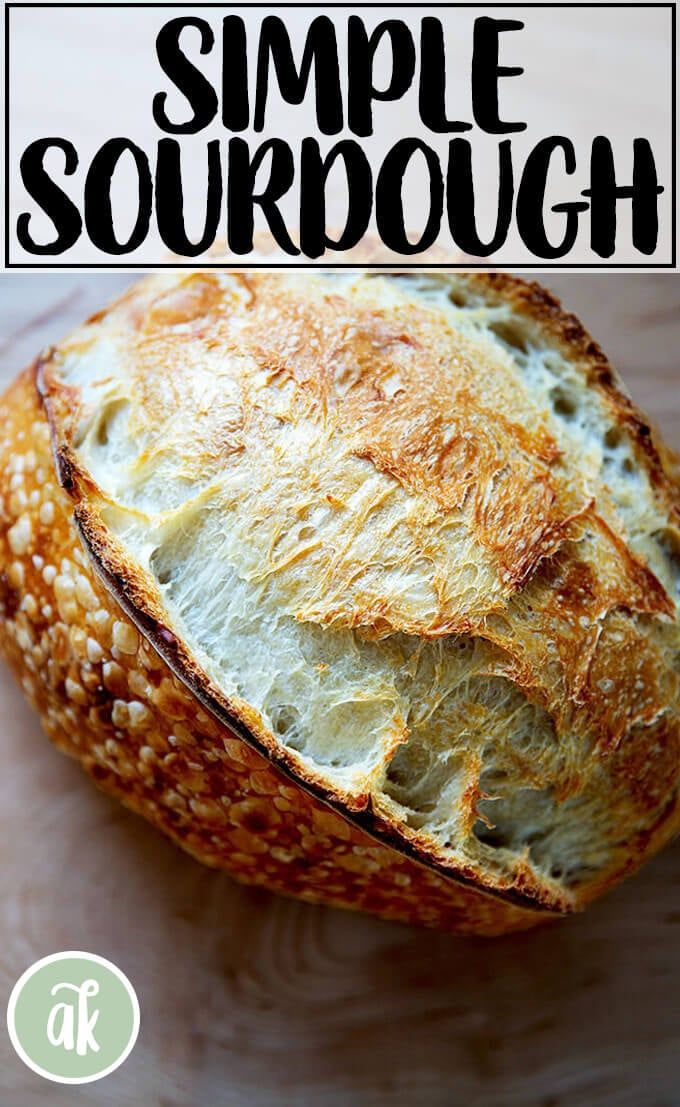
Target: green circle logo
point(73, 1017)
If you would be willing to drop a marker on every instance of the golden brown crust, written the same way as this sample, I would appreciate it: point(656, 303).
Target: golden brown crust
point(593, 598)
point(566, 330)
point(107, 698)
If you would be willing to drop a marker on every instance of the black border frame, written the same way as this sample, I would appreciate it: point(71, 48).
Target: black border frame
point(309, 264)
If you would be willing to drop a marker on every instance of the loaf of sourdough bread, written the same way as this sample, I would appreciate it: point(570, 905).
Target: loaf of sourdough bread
point(363, 587)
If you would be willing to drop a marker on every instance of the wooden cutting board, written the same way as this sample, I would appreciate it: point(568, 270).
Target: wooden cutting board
point(247, 998)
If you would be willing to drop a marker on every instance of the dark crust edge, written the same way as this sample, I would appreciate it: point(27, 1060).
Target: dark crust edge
point(566, 331)
point(562, 329)
point(168, 646)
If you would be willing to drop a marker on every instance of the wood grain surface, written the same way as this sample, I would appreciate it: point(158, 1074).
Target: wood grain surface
point(247, 998)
